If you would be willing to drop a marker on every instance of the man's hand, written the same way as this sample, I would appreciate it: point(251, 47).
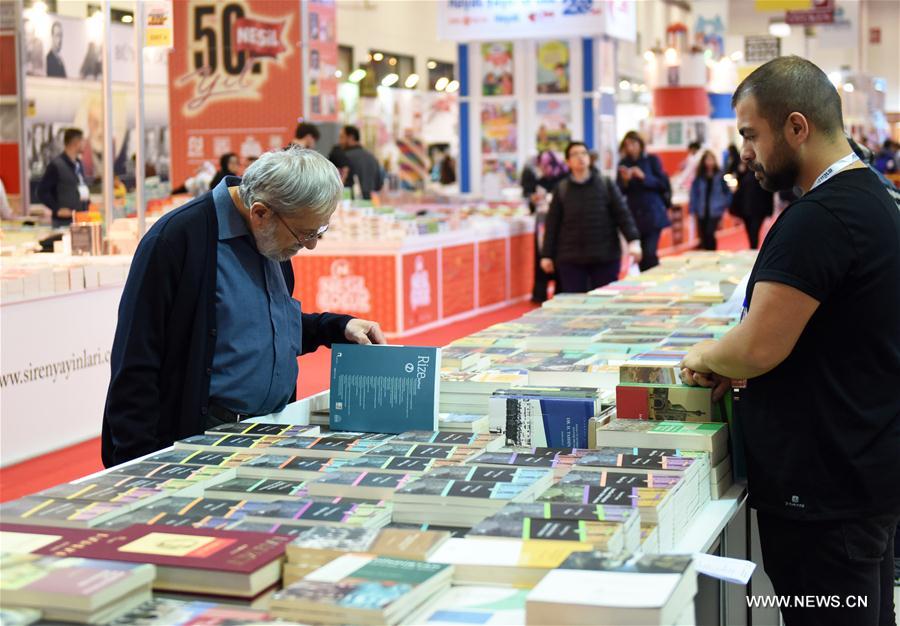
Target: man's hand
point(364, 332)
point(695, 372)
point(637, 172)
point(547, 266)
point(625, 173)
point(634, 249)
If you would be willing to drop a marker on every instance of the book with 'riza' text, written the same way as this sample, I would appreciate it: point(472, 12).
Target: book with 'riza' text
point(384, 389)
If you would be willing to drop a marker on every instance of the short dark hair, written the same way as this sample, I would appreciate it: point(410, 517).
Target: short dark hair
point(224, 159)
point(694, 145)
point(636, 136)
point(304, 129)
point(788, 84)
point(575, 144)
point(71, 135)
point(352, 131)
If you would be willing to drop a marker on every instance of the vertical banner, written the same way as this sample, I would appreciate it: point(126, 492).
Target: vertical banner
point(458, 274)
point(420, 276)
point(492, 272)
point(323, 61)
point(234, 80)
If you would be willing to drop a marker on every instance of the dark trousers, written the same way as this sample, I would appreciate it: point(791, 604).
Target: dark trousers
point(836, 560)
point(649, 246)
point(753, 224)
point(707, 227)
point(541, 278)
point(578, 278)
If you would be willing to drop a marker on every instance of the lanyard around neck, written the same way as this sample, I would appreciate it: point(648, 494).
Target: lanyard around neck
point(834, 169)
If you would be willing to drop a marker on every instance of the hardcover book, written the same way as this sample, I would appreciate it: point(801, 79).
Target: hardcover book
point(665, 402)
point(385, 389)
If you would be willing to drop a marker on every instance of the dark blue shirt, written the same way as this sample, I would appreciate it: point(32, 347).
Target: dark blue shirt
point(254, 367)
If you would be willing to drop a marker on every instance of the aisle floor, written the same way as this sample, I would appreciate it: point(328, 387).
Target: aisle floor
point(84, 458)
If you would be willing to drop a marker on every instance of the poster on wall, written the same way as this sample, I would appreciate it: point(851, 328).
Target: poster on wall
point(234, 80)
point(554, 125)
point(323, 61)
point(59, 46)
point(498, 128)
point(553, 67)
point(497, 69)
point(497, 173)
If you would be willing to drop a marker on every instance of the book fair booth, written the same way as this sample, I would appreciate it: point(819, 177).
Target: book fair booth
point(546, 469)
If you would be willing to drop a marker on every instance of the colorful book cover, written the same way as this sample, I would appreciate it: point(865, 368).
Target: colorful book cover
point(384, 389)
point(665, 402)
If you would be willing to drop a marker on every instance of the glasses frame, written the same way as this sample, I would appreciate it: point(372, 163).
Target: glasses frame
point(305, 240)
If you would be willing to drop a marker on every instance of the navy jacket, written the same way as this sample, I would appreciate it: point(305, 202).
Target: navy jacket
point(166, 335)
point(719, 197)
point(645, 197)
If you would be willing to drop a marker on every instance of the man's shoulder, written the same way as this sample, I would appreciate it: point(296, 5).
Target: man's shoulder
point(187, 223)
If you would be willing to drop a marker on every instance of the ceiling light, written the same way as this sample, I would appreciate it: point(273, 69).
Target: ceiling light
point(432, 65)
point(378, 56)
point(849, 88)
point(357, 75)
point(649, 56)
point(671, 56)
point(390, 80)
point(127, 19)
point(452, 86)
point(411, 81)
point(392, 61)
point(441, 83)
point(737, 56)
point(780, 29)
point(338, 73)
point(625, 85)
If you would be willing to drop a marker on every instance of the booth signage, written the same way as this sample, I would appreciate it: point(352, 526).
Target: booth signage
point(761, 49)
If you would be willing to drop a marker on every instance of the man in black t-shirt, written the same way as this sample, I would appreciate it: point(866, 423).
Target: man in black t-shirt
point(819, 349)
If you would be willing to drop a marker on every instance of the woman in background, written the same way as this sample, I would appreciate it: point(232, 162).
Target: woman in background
point(710, 197)
point(229, 165)
point(751, 203)
point(646, 187)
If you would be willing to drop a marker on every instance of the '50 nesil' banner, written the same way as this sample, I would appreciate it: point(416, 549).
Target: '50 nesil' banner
point(234, 80)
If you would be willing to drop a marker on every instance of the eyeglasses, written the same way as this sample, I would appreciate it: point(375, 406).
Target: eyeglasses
point(305, 240)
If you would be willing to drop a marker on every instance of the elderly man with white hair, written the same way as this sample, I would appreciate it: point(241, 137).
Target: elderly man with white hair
point(208, 332)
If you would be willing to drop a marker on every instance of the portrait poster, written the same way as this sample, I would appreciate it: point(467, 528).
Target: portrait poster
point(553, 61)
point(497, 69)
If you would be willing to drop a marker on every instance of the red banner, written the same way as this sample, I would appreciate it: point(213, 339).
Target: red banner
point(458, 269)
point(420, 302)
point(234, 80)
point(491, 272)
point(521, 265)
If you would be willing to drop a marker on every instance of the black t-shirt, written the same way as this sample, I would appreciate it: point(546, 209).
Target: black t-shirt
point(822, 430)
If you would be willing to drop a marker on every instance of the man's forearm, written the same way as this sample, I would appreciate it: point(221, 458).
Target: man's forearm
point(734, 356)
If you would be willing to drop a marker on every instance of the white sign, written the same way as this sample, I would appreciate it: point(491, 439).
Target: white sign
point(54, 379)
point(480, 20)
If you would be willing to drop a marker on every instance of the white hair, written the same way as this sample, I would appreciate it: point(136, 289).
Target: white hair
point(292, 182)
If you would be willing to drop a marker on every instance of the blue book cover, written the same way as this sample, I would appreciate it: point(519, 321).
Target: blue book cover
point(384, 389)
point(546, 421)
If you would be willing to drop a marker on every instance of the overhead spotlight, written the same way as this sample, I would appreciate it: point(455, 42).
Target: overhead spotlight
point(431, 65)
point(378, 56)
point(357, 75)
point(848, 87)
point(625, 85)
point(369, 57)
point(671, 56)
point(392, 61)
point(452, 86)
point(127, 19)
point(390, 80)
point(411, 81)
point(338, 73)
point(649, 56)
point(441, 83)
point(780, 29)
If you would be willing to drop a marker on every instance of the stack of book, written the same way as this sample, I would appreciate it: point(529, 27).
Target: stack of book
point(188, 560)
point(580, 369)
point(264, 428)
point(258, 489)
point(708, 437)
point(474, 604)
point(180, 511)
point(172, 612)
point(354, 483)
point(555, 417)
point(665, 402)
point(463, 423)
point(463, 496)
point(315, 511)
point(362, 589)
point(85, 591)
point(594, 588)
point(610, 528)
point(317, 546)
point(558, 459)
point(470, 392)
point(487, 561)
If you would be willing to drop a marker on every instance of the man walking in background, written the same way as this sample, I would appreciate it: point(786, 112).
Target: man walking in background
point(362, 164)
point(581, 243)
